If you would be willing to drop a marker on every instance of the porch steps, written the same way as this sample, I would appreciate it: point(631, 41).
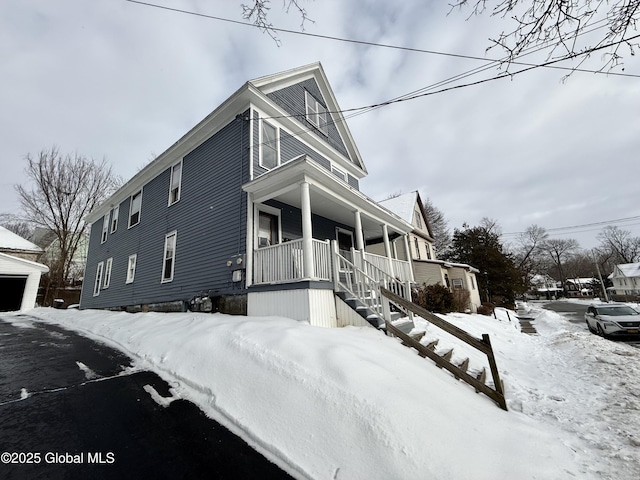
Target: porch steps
point(365, 312)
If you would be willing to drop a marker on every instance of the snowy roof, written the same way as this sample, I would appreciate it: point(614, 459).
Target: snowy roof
point(630, 269)
point(28, 263)
point(11, 241)
point(402, 205)
point(581, 281)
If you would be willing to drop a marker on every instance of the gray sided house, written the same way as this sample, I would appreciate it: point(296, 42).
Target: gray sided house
point(258, 207)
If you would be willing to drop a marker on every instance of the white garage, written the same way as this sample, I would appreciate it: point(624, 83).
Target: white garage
point(19, 274)
point(19, 280)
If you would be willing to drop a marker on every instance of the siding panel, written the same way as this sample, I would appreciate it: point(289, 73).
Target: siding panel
point(292, 99)
point(210, 220)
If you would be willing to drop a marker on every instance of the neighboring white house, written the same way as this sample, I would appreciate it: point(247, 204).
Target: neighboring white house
point(543, 286)
point(626, 280)
point(427, 269)
point(19, 273)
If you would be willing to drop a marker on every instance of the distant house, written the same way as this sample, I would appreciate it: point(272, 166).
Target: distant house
point(626, 281)
point(48, 241)
point(19, 272)
point(255, 210)
point(580, 287)
point(545, 287)
point(427, 269)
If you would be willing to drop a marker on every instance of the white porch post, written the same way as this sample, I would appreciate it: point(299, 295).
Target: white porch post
point(387, 248)
point(249, 242)
point(359, 235)
point(407, 248)
point(307, 230)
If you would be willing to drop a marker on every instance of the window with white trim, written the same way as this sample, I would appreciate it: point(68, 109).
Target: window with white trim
point(131, 268)
point(428, 247)
point(418, 219)
point(98, 282)
point(114, 218)
point(134, 208)
point(168, 264)
point(269, 146)
point(105, 228)
point(457, 283)
point(316, 112)
point(174, 185)
point(416, 243)
point(339, 173)
point(107, 273)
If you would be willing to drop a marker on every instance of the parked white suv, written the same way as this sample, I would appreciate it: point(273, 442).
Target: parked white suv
point(612, 319)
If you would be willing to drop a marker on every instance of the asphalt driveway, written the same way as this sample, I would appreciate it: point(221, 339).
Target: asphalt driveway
point(70, 408)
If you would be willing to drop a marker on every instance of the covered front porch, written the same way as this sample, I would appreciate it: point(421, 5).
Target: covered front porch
point(300, 218)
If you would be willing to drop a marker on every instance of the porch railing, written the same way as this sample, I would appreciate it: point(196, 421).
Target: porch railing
point(401, 269)
point(284, 262)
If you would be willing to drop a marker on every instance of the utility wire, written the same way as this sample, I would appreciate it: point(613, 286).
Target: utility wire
point(371, 44)
point(584, 225)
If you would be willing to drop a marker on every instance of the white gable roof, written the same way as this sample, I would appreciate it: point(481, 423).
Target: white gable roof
point(630, 270)
point(402, 205)
point(11, 241)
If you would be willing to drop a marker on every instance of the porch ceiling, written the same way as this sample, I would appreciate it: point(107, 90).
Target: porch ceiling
point(330, 197)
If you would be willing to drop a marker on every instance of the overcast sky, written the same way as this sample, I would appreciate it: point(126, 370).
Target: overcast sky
point(123, 81)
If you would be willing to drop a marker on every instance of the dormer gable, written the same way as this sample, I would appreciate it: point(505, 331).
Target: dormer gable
point(410, 208)
point(304, 93)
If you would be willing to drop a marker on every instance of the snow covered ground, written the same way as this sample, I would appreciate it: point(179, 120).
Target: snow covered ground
point(353, 404)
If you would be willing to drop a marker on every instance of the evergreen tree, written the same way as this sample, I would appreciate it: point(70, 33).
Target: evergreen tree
point(499, 280)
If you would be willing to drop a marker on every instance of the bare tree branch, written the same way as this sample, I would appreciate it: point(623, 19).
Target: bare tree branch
point(258, 14)
point(66, 188)
point(561, 26)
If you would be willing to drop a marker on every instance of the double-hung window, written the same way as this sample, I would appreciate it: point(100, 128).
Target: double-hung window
point(418, 219)
point(417, 245)
point(134, 208)
point(98, 282)
point(131, 268)
point(114, 218)
point(316, 113)
point(107, 273)
point(174, 185)
point(269, 148)
point(168, 264)
point(105, 228)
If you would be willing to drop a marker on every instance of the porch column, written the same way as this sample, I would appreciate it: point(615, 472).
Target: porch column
point(307, 230)
point(387, 247)
point(249, 242)
point(359, 236)
point(407, 248)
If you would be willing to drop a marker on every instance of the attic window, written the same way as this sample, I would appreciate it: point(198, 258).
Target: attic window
point(418, 219)
point(269, 146)
point(316, 113)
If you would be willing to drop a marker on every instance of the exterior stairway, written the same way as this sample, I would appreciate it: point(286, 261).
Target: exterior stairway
point(358, 285)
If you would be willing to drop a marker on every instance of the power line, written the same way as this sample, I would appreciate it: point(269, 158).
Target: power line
point(382, 45)
point(558, 230)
